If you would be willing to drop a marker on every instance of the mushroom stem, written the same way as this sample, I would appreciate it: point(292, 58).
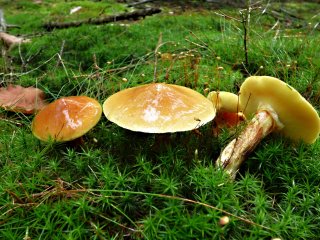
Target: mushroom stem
point(263, 123)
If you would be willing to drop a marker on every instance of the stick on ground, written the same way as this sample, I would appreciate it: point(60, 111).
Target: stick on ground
point(97, 21)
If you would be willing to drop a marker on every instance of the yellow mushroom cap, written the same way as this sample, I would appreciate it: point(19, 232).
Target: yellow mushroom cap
point(159, 108)
point(224, 101)
point(66, 118)
point(301, 121)
point(227, 105)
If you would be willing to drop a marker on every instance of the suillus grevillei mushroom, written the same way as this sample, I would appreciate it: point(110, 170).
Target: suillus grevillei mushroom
point(228, 110)
point(159, 108)
point(66, 119)
point(274, 107)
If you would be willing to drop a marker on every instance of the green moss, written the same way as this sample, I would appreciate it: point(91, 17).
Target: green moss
point(112, 185)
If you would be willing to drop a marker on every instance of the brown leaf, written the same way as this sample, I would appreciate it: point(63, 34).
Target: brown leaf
point(11, 40)
point(19, 99)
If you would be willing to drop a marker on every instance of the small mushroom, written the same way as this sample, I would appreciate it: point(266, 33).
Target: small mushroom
point(224, 220)
point(224, 101)
point(66, 118)
point(275, 106)
point(159, 108)
point(227, 105)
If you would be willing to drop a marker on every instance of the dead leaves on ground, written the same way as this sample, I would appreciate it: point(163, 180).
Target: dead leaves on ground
point(10, 40)
point(24, 100)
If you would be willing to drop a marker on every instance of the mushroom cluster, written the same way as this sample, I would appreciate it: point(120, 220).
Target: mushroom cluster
point(274, 106)
point(271, 104)
point(149, 108)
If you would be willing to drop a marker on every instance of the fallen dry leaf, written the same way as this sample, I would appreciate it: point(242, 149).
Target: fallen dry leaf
point(19, 99)
point(11, 40)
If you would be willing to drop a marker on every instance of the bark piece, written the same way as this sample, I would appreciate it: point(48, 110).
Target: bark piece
point(97, 21)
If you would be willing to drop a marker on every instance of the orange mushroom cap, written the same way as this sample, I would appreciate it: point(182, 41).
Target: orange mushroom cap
point(66, 118)
point(159, 108)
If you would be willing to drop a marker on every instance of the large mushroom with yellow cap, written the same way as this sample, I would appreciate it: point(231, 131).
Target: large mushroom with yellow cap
point(159, 108)
point(66, 119)
point(274, 107)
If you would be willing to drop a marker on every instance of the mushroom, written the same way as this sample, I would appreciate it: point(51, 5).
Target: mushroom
point(66, 118)
point(227, 105)
point(276, 107)
point(159, 108)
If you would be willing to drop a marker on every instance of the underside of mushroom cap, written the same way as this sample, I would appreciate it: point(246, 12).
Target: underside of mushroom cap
point(301, 121)
point(66, 118)
point(159, 108)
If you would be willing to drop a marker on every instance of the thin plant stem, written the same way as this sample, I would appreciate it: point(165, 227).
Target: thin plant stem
point(184, 200)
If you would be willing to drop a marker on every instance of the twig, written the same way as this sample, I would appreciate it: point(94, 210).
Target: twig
point(244, 67)
point(15, 197)
point(20, 54)
point(227, 16)
point(28, 72)
point(196, 44)
point(60, 189)
point(285, 11)
point(139, 2)
point(205, 46)
point(3, 25)
point(98, 21)
point(119, 224)
point(245, 23)
point(34, 55)
point(183, 200)
point(11, 121)
point(120, 69)
point(16, 205)
point(95, 63)
point(156, 57)
point(61, 52)
point(64, 67)
point(12, 26)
